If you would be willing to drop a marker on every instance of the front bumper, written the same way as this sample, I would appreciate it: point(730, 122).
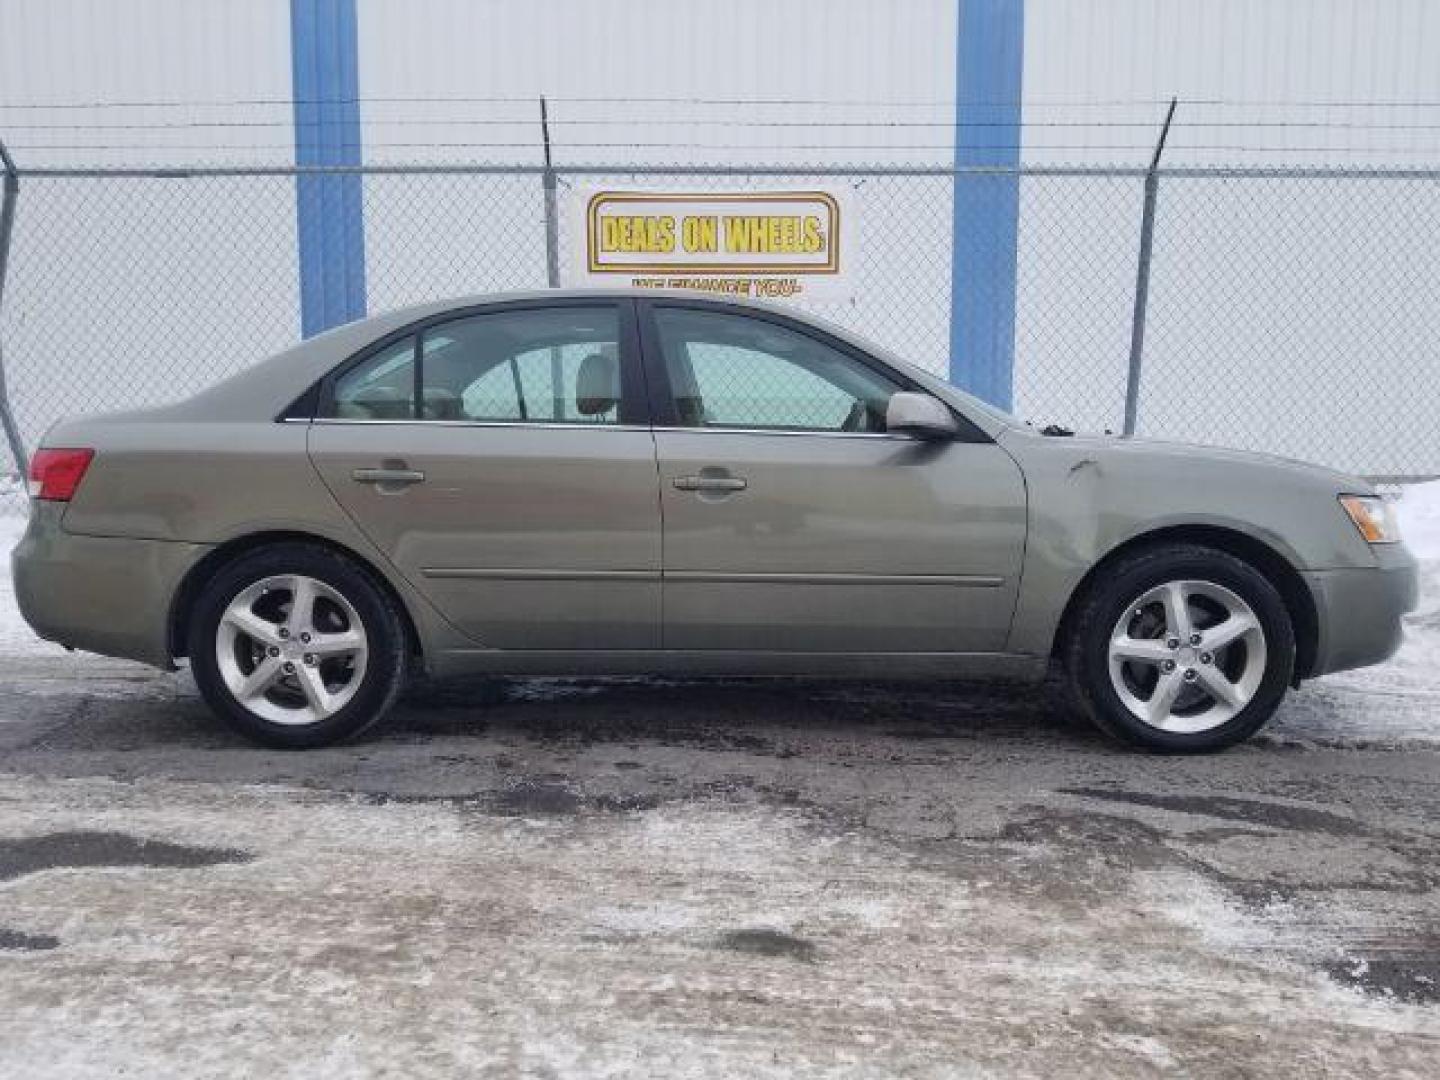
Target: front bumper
point(1359, 610)
point(108, 595)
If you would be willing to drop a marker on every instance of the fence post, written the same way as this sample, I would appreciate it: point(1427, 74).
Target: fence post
point(1142, 277)
point(7, 229)
point(552, 225)
point(552, 259)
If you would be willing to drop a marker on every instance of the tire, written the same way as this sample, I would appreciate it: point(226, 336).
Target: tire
point(1121, 638)
point(258, 675)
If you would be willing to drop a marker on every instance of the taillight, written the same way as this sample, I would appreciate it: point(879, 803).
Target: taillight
point(55, 474)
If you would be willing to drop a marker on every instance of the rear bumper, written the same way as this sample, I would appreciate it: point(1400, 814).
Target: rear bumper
point(107, 595)
point(1360, 611)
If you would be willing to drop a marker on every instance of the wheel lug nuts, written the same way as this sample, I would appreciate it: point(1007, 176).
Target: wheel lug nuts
point(309, 659)
point(289, 668)
point(284, 633)
point(305, 638)
point(1194, 639)
point(273, 651)
point(1206, 658)
point(1191, 674)
point(1172, 643)
point(1168, 665)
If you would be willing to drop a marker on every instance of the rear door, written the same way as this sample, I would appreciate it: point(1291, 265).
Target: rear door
point(501, 459)
point(794, 521)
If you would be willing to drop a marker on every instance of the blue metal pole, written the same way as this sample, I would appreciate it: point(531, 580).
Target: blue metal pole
point(989, 64)
point(329, 209)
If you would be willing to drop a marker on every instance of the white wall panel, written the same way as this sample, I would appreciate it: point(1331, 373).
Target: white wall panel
point(747, 80)
point(191, 63)
point(1295, 80)
point(1259, 81)
point(128, 292)
point(1292, 315)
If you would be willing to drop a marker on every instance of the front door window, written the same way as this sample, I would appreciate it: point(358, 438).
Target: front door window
point(735, 371)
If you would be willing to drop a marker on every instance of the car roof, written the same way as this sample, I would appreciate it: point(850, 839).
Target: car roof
point(265, 390)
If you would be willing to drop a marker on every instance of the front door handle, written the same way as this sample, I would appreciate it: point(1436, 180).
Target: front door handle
point(388, 476)
point(709, 483)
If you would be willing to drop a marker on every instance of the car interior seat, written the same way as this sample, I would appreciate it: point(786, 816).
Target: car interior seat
point(597, 385)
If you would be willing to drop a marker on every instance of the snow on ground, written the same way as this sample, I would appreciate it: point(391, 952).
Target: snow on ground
point(173, 928)
point(16, 639)
point(1397, 703)
point(1419, 512)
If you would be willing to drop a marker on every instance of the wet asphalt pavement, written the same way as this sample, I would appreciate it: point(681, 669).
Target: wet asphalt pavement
point(694, 879)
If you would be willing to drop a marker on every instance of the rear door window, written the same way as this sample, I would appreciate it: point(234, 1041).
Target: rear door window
point(540, 365)
point(381, 387)
point(559, 364)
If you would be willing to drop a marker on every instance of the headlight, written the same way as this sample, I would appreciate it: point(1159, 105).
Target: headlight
point(1374, 517)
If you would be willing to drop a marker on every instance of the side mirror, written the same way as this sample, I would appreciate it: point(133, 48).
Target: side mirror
point(920, 415)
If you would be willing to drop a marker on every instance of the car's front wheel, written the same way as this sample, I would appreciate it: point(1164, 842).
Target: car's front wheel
point(1181, 648)
point(297, 646)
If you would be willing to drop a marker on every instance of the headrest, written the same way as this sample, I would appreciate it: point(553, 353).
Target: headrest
point(597, 384)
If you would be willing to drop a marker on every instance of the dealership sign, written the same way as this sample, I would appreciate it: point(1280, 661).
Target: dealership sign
point(774, 245)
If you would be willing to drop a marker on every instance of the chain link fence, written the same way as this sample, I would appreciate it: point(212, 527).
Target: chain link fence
point(1296, 312)
point(1299, 314)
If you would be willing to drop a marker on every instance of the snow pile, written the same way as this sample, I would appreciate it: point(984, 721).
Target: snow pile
point(15, 637)
point(1419, 513)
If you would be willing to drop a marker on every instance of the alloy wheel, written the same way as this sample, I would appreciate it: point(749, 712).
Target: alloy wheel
point(1187, 656)
point(291, 649)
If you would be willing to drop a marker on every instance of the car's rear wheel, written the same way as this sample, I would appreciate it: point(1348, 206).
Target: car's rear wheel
point(1181, 648)
point(297, 646)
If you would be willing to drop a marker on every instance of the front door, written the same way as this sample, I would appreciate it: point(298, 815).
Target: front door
point(795, 522)
point(502, 462)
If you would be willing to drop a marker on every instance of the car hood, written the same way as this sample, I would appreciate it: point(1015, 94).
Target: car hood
point(1095, 492)
point(1122, 451)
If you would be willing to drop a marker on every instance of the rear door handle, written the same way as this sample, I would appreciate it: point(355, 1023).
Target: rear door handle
point(388, 476)
point(709, 483)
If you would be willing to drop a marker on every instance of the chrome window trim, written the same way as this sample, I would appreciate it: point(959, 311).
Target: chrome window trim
point(540, 425)
point(537, 425)
point(893, 437)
